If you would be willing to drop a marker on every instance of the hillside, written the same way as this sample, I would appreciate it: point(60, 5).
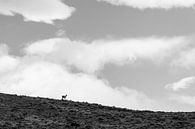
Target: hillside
point(21, 112)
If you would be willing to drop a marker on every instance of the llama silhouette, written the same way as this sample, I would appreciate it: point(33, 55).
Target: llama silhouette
point(64, 97)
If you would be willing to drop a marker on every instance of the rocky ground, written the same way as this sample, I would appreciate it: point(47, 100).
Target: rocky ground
point(21, 112)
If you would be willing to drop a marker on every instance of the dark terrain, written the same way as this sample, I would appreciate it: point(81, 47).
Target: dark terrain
point(21, 112)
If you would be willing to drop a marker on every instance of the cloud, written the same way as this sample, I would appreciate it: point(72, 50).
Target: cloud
point(3, 49)
point(181, 84)
point(6, 62)
point(186, 59)
point(61, 33)
point(91, 57)
point(46, 69)
point(42, 47)
point(185, 99)
point(47, 79)
point(153, 4)
point(37, 10)
point(181, 89)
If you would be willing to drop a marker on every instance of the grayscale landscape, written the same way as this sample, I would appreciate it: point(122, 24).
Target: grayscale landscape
point(22, 112)
point(134, 57)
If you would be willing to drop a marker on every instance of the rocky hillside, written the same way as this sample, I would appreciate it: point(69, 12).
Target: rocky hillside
point(21, 112)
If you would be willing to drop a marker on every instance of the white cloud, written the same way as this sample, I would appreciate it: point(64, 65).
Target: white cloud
point(35, 75)
point(181, 91)
point(91, 57)
point(41, 47)
point(3, 49)
point(186, 59)
point(185, 99)
point(45, 79)
point(181, 84)
point(162, 4)
point(37, 10)
point(61, 33)
point(6, 62)
point(44, 69)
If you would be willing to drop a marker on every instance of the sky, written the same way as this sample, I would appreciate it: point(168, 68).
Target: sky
point(122, 53)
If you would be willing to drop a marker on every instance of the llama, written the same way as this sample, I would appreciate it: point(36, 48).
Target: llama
point(64, 97)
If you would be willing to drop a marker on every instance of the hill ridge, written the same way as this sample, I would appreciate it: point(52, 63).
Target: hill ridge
point(23, 112)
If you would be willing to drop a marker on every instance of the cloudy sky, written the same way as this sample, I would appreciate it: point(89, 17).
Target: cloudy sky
point(125, 53)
